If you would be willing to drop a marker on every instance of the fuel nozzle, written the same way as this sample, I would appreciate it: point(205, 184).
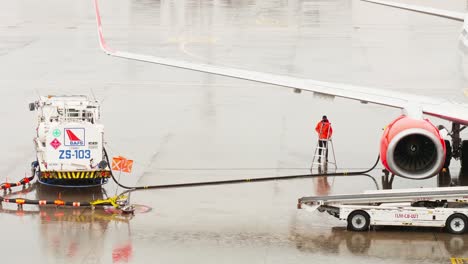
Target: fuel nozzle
point(125, 206)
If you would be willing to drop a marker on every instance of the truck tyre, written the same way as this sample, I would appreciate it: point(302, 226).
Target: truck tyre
point(457, 224)
point(358, 221)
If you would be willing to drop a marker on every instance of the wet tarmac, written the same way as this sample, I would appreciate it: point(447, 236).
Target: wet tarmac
point(182, 126)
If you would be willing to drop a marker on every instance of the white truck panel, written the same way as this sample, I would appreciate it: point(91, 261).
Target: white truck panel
point(69, 141)
point(72, 146)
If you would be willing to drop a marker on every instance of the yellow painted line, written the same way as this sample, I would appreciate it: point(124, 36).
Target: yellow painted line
point(193, 40)
point(459, 260)
point(184, 41)
point(264, 21)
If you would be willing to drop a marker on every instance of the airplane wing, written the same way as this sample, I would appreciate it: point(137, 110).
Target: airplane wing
point(431, 106)
point(422, 9)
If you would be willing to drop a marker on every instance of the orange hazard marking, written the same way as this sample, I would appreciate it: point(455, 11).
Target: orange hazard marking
point(122, 164)
point(59, 202)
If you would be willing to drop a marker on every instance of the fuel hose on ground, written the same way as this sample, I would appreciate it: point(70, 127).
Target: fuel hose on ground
point(114, 201)
point(238, 181)
point(7, 185)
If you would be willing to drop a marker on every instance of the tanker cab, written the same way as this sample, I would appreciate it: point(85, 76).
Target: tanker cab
point(66, 109)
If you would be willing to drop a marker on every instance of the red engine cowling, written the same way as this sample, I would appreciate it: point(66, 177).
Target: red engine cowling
point(412, 148)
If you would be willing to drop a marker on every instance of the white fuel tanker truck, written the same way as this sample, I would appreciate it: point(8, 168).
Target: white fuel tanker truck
point(69, 142)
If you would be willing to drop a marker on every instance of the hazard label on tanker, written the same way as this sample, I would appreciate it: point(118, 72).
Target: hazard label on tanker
point(55, 143)
point(56, 133)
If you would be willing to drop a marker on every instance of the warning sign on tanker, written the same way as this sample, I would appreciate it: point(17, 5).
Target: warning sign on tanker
point(55, 143)
point(56, 133)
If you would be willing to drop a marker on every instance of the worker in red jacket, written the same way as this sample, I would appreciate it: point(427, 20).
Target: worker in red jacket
point(325, 132)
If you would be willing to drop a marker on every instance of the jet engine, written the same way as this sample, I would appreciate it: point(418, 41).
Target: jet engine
point(412, 148)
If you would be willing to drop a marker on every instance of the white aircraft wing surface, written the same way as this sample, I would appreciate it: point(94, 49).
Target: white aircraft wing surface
point(422, 9)
point(428, 105)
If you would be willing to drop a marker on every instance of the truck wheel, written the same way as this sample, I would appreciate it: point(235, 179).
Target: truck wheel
point(457, 224)
point(358, 221)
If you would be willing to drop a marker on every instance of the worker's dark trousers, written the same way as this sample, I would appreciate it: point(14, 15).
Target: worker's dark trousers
point(324, 145)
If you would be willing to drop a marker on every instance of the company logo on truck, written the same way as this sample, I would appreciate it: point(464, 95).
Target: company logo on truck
point(74, 137)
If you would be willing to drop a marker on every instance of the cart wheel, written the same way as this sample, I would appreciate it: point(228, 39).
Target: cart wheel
point(358, 221)
point(457, 224)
